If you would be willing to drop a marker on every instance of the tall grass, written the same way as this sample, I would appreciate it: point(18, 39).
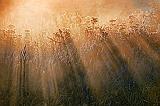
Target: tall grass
point(83, 64)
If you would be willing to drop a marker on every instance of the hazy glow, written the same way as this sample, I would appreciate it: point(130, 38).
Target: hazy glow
point(87, 44)
point(32, 14)
point(42, 15)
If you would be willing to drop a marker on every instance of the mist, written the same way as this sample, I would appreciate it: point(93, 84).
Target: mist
point(21, 13)
point(86, 7)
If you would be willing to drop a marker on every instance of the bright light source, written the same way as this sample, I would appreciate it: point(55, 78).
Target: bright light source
point(34, 14)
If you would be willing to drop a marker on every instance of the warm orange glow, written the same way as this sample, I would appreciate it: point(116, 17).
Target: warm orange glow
point(30, 14)
point(42, 15)
point(79, 52)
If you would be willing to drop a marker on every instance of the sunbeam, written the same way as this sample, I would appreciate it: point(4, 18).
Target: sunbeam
point(79, 53)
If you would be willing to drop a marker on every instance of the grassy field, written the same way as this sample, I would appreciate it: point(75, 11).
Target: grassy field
point(83, 63)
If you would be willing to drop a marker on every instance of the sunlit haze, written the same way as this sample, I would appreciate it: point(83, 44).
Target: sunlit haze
point(79, 52)
point(43, 14)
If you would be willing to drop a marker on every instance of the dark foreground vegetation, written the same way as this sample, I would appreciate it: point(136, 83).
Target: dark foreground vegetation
point(85, 64)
